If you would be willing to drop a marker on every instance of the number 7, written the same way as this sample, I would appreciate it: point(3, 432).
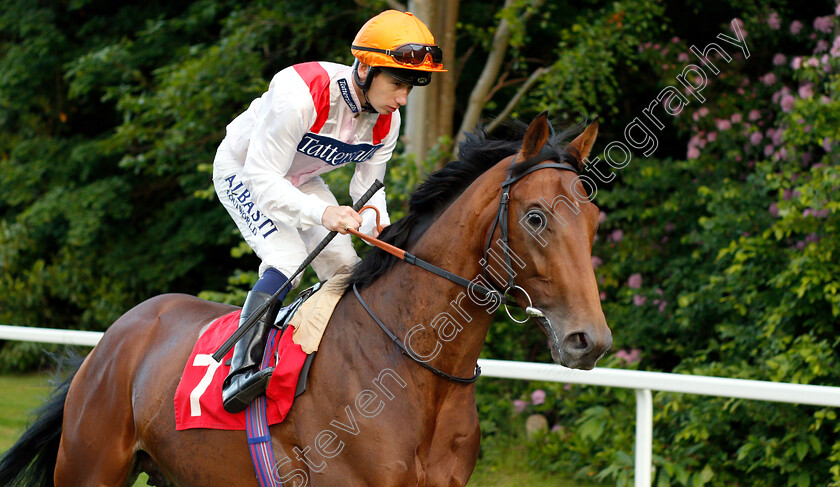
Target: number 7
point(202, 360)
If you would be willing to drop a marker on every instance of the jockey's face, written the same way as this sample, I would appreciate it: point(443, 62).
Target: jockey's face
point(386, 94)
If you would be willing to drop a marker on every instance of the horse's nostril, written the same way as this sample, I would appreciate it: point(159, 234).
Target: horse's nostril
point(577, 342)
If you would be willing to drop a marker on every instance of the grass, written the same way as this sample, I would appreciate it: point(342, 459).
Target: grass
point(21, 394)
point(511, 469)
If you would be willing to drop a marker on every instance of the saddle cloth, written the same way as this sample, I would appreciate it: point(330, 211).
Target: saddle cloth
point(198, 398)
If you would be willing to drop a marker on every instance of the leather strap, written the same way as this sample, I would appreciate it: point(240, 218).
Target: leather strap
point(405, 351)
point(501, 216)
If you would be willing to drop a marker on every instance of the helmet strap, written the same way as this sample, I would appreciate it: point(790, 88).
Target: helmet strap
point(365, 86)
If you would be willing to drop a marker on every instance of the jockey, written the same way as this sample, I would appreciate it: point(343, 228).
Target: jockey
point(315, 117)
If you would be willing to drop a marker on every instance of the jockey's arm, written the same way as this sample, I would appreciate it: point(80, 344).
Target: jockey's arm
point(283, 121)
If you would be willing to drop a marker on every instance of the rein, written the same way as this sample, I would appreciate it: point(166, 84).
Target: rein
point(501, 221)
point(405, 351)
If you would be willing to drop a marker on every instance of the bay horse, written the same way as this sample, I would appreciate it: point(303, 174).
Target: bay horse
point(371, 415)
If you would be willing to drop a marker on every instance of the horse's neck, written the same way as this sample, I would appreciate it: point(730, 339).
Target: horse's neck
point(429, 312)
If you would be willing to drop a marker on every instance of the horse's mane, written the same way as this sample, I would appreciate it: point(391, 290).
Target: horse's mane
point(476, 155)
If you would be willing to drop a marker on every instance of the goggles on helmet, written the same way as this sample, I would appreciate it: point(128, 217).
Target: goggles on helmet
point(411, 54)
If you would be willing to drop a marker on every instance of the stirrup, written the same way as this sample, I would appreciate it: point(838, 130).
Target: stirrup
point(244, 388)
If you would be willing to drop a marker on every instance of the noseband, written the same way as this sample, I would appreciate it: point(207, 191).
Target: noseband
point(501, 221)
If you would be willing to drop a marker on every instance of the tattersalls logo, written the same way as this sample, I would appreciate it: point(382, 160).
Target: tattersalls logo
point(348, 98)
point(334, 152)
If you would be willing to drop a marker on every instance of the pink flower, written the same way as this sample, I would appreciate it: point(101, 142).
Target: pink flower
point(787, 103)
point(635, 281)
point(777, 137)
point(754, 115)
point(712, 136)
point(723, 124)
point(822, 45)
point(774, 209)
point(639, 300)
point(630, 357)
point(823, 24)
point(596, 262)
point(693, 153)
point(826, 143)
point(602, 217)
point(779, 59)
point(813, 62)
point(683, 57)
point(795, 27)
point(768, 79)
point(703, 111)
point(740, 24)
point(755, 138)
point(806, 90)
point(538, 397)
point(555, 428)
point(735, 118)
point(617, 236)
point(602, 295)
point(675, 39)
point(835, 47)
point(662, 306)
point(796, 63)
point(773, 21)
point(768, 149)
point(837, 10)
point(519, 405)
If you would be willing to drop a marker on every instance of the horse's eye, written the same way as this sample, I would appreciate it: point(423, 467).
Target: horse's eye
point(536, 218)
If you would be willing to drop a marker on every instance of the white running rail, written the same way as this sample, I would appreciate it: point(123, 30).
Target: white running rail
point(642, 382)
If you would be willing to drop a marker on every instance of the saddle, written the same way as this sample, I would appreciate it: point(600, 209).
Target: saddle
point(282, 323)
point(299, 328)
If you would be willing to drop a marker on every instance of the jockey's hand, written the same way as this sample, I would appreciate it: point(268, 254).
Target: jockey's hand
point(340, 218)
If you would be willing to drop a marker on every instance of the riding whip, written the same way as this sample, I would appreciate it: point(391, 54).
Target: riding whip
point(252, 320)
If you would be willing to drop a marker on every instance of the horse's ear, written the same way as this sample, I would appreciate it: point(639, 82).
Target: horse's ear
point(582, 145)
point(535, 137)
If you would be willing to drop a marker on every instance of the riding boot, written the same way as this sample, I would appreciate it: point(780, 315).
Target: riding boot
point(246, 381)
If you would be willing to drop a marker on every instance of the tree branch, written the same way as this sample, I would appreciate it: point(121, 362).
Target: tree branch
point(515, 100)
point(491, 69)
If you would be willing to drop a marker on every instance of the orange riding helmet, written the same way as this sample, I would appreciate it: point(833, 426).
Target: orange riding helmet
point(398, 44)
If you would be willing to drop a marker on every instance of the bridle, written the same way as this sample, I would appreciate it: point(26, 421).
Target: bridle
point(501, 221)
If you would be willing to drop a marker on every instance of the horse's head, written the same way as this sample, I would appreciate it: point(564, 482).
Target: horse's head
point(552, 227)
